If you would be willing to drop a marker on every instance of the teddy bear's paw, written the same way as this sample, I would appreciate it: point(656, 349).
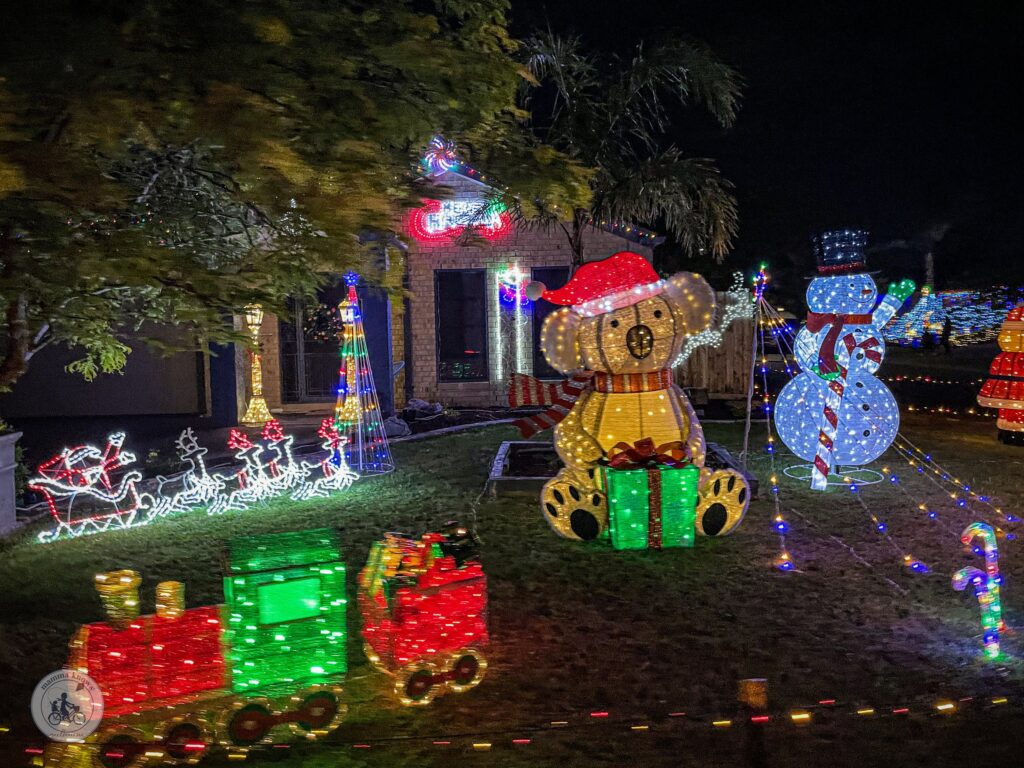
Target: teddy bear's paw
point(574, 510)
point(724, 498)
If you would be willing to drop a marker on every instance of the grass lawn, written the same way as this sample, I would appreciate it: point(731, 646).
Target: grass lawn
point(969, 360)
point(580, 628)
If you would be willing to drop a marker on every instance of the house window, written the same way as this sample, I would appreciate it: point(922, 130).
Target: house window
point(309, 346)
point(461, 324)
point(553, 278)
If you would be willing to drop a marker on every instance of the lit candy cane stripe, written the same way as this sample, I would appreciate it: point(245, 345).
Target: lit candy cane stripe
point(991, 612)
point(828, 431)
point(987, 535)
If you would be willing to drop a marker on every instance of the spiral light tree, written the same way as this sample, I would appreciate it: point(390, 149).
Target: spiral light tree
point(357, 416)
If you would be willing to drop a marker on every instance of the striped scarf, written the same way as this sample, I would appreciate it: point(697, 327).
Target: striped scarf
point(560, 396)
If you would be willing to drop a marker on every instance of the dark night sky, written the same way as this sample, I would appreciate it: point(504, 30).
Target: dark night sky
point(891, 116)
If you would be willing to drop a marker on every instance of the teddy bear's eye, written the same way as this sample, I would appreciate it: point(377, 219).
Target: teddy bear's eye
point(615, 323)
point(657, 313)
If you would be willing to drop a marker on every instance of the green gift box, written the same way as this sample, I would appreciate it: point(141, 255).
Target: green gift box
point(653, 507)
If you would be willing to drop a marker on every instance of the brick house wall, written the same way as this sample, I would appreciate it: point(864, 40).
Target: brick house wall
point(524, 248)
point(414, 338)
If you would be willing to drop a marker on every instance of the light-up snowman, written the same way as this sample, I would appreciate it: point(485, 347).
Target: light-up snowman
point(836, 412)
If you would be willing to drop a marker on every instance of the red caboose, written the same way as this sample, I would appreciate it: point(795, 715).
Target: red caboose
point(423, 606)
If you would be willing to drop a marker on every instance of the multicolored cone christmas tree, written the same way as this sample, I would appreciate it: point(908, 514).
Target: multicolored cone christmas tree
point(1005, 387)
point(357, 414)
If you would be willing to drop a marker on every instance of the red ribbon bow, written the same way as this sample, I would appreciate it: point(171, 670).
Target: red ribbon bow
point(869, 345)
point(643, 455)
point(827, 351)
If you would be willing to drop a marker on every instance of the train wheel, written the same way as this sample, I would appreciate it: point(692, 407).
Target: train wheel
point(120, 748)
point(248, 724)
point(185, 741)
point(467, 668)
point(320, 711)
point(415, 685)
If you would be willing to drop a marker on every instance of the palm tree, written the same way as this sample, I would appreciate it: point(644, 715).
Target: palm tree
point(614, 116)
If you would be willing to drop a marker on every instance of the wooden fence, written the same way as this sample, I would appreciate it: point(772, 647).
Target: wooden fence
point(725, 369)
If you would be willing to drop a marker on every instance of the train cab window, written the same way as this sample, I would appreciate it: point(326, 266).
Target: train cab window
point(293, 600)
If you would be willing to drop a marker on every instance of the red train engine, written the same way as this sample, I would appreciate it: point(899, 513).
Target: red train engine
point(265, 667)
point(423, 605)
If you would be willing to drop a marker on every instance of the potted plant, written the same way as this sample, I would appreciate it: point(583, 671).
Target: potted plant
point(8, 472)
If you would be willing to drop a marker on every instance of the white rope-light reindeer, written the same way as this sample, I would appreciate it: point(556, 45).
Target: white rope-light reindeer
point(336, 475)
point(198, 486)
point(255, 480)
point(86, 492)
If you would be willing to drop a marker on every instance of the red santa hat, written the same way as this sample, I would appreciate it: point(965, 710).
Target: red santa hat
point(621, 280)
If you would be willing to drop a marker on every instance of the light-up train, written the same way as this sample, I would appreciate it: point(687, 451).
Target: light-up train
point(268, 665)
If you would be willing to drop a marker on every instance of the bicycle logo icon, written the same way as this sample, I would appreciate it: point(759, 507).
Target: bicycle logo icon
point(67, 705)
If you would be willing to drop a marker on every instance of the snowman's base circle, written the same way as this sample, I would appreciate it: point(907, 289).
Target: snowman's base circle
point(856, 475)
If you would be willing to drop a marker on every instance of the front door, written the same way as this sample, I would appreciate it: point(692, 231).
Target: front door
point(309, 347)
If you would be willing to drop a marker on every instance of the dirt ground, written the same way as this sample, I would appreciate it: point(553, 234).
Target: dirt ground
point(579, 629)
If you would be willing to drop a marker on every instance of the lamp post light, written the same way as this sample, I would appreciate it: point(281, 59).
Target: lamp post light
point(256, 414)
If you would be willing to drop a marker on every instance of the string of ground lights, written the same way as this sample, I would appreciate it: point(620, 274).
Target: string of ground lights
point(986, 584)
point(919, 460)
point(608, 724)
point(962, 499)
point(783, 561)
point(961, 495)
point(772, 325)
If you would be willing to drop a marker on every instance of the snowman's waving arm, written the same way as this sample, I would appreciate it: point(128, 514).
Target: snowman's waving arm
point(890, 305)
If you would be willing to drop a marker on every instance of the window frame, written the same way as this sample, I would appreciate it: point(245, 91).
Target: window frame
point(486, 351)
point(536, 354)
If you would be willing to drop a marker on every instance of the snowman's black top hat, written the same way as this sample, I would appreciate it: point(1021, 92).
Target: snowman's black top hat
point(840, 251)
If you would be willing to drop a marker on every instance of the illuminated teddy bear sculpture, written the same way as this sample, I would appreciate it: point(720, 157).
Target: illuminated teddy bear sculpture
point(619, 331)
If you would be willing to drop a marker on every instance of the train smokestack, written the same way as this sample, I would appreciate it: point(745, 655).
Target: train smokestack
point(119, 592)
point(170, 599)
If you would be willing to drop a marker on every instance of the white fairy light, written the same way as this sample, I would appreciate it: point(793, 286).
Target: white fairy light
point(836, 411)
point(738, 306)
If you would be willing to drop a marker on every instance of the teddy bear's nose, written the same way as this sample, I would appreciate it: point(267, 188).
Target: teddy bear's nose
point(639, 341)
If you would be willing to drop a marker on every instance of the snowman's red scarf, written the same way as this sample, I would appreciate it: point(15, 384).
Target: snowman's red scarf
point(562, 395)
point(827, 351)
